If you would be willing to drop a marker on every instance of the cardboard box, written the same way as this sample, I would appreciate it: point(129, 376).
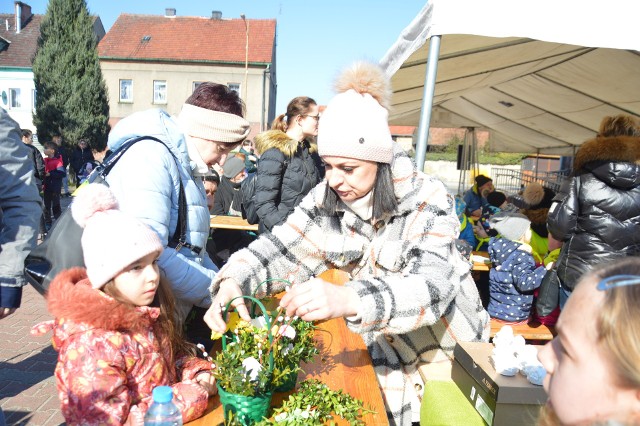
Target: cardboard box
point(500, 400)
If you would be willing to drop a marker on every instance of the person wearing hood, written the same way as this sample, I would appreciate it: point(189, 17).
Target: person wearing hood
point(391, 227)
point(147, 179)
point(597, 212)
point(289, 165)
point(114, 327)
point(538, 200)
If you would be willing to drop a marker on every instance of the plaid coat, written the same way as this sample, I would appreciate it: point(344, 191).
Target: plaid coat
point(417, 295)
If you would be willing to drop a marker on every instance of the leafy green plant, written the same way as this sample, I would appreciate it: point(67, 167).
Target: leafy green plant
point(315, 403)
point(243, 368)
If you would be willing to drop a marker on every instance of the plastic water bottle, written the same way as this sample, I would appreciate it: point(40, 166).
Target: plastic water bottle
point(163, 412)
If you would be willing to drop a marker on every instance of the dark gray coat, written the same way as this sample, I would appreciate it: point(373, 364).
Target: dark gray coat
point(287, 171)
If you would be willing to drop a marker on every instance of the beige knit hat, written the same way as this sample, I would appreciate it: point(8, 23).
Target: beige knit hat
point(355, 122)
point(111, 240)
point(213, 125)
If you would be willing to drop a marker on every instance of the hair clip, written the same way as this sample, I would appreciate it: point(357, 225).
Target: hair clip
point(618, 281)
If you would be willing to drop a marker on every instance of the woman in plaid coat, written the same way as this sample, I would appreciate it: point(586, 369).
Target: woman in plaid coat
point(410, 296)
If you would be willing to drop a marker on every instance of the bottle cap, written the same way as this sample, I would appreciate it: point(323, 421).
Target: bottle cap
point(162, 394)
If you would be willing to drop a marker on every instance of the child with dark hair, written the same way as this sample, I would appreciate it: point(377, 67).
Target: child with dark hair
point(54, 173)
point(499, 200)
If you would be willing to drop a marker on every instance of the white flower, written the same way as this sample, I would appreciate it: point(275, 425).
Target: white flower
point(259, 322)
point(252, 367)
point(287, 349)
point(280, 318)
point(280, 417)
point(287, 331)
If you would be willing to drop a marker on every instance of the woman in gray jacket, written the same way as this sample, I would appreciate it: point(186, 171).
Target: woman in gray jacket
point(391, 227)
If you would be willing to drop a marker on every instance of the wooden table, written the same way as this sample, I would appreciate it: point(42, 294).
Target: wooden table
point(481, 266)
point(231, 222)
point(343, 363)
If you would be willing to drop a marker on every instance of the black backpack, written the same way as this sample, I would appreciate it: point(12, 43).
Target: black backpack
point(61, 249)
point(249, 210)
point(248, 188)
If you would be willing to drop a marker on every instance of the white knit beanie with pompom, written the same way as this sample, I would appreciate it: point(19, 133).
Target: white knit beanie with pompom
point(112, 240)
point(355, 122)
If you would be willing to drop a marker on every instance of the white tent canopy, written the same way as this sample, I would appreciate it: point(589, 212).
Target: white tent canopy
point(539, 74)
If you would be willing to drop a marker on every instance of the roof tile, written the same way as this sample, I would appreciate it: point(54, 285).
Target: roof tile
point(23, 46)
point(188, 39)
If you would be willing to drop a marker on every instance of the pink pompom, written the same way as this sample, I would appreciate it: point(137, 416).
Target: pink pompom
point(92, 199)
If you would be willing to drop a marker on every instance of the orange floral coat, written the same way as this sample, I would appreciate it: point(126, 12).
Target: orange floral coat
point(110, 358)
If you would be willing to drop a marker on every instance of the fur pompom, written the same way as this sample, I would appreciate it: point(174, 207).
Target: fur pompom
point(90, 200)
point(533, 194)
point(365, 77)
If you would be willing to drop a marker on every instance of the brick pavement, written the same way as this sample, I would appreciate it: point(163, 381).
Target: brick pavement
point(28, 393)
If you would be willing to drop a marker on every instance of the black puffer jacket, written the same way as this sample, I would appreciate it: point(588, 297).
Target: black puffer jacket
point(598, 217)
point(287, 170)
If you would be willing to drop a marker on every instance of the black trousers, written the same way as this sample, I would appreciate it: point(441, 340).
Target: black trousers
point(51, 203)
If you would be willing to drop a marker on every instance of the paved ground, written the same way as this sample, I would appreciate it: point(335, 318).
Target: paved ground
point(27, 388)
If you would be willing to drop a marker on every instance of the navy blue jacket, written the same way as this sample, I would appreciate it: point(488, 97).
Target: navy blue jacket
point(512, 280)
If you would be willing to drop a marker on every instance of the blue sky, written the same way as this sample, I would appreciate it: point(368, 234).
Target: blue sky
point(315, 39)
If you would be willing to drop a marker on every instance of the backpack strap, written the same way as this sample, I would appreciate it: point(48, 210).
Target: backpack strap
point(179, 238)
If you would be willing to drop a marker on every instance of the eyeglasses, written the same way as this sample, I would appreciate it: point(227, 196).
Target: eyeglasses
point(618, 281)
point(315, 117)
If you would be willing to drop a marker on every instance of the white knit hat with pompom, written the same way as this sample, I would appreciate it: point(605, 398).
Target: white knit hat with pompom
point(355, 122)
point(112, 240)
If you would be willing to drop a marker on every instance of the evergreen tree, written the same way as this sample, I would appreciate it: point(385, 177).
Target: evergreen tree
point(71, 96)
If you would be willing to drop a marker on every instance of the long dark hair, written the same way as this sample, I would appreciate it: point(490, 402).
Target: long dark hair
point(384, 197)
point(167, 331)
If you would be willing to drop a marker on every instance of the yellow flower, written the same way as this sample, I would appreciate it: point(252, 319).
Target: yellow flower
point(233, 322)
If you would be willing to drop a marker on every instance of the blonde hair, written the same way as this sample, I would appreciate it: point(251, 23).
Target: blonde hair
point(618, 328)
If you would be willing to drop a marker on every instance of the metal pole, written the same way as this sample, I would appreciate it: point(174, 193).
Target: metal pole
point(427, 100)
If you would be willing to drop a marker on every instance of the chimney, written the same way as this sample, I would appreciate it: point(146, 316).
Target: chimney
point(170, 12)
point(23, 13)
point(216, 14)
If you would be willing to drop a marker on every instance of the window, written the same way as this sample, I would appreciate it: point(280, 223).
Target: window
point(235, 87)
point(159, 91)
point(126, 90)
point(196, 84)
point(14, 98)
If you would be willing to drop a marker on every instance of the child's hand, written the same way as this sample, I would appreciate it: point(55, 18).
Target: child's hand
point(480, 232)
point(526, 248)
point(208, 382)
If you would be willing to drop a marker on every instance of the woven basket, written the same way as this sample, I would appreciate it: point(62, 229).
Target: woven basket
point(247, 409)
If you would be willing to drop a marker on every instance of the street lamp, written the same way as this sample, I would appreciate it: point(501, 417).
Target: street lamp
point(246, 55)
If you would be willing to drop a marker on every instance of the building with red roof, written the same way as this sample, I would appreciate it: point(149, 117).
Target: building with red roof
point(156, 61)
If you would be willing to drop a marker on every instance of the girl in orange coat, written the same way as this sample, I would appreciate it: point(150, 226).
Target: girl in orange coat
point(113, 324)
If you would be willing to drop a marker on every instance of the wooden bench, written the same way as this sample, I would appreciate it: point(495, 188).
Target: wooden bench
point(530, 331)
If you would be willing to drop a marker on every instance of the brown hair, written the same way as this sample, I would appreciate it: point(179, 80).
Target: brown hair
point(619, 125)
point(298, 106)
point(168, 333)
point(217, 97)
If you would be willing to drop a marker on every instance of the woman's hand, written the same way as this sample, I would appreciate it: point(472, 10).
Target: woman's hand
point(208, 382)
point(228, 290)
point(319, 300)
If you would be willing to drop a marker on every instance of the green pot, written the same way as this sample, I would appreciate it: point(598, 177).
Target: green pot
point(247, 409)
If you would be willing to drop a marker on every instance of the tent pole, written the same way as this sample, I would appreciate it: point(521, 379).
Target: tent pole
point(427, 100)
